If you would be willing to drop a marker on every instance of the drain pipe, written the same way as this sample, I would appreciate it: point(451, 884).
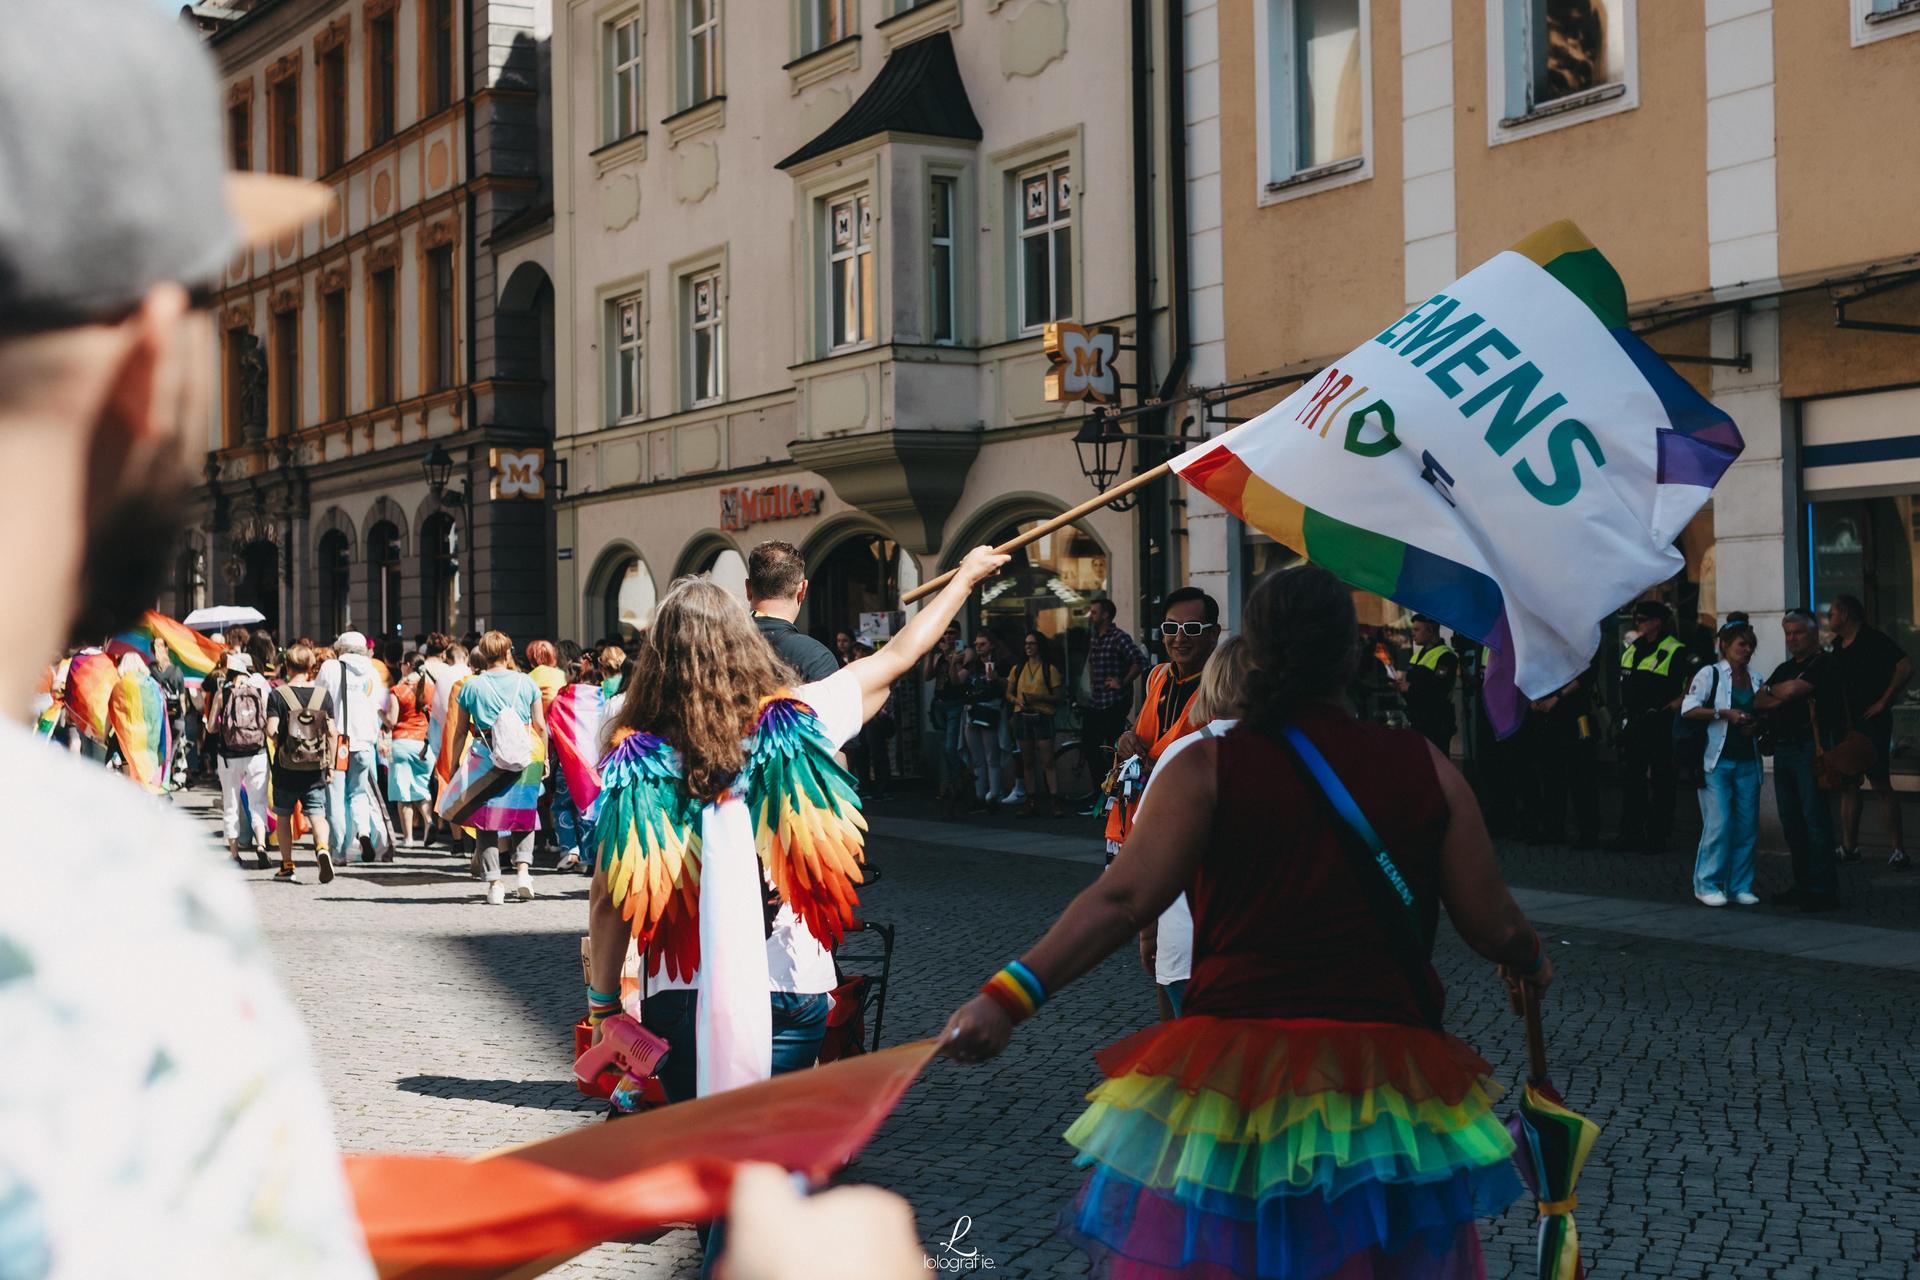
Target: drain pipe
point(1151, 585)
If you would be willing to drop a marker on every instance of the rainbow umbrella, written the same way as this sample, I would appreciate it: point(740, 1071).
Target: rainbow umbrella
point(1551, 1146)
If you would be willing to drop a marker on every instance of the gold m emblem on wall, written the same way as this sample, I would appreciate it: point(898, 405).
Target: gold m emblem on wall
point(518, 474)
point(1081, 362)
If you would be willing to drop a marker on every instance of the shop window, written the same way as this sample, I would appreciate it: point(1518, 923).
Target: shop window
point(440, 55)
point(825, 22)
point(849, 235)
point(382, 80)
point(332, 89)
point(703, 304)
point(1869, 548)
point(439, 355)
point(240, 135)
point(336, 592)
point(333, 355)
point(1313, 79)
point(728, 569)
point(1047, 588)
point(440, 572)
point(283, 124)
point(284, 373)
point(384, 336)
point(699, 53)
point(625, 110)
point(385, 578)
point(626, 357)
point(627, 600)
point(1044, 265)
point(1554, 59)
point(239, 341)
point(943, 321)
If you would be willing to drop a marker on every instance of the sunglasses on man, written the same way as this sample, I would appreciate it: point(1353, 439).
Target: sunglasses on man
point(1187, 628)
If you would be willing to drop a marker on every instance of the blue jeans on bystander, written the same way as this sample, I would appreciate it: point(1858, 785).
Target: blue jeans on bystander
point(1804, 819)
point(1729, 825)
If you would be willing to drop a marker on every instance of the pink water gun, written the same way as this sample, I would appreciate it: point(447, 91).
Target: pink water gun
point(619, 1067)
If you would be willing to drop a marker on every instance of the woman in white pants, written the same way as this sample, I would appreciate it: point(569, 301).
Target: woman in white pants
point(241, 751)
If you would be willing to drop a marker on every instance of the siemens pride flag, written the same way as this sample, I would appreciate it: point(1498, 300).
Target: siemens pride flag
point(1507, 457)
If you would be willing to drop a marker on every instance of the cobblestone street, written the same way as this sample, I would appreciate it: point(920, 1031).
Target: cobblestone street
point(1758, 1109)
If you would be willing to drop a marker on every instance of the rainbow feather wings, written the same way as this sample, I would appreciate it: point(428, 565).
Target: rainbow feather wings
point(808, 832)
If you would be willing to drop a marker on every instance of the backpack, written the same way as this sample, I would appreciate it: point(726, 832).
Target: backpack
point(1690, 741)
point(243, 718)
point(303, 733)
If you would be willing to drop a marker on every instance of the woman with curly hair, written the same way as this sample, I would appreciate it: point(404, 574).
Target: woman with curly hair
point(1307, 1115)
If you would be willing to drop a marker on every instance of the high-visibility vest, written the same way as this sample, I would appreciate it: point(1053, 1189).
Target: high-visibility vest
point(1430, 656)
point(1657, 663)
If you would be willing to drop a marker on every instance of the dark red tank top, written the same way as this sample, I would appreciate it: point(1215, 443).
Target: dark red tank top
point(1281, 927)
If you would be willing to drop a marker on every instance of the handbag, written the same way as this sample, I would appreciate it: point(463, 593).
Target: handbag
point(1844, 765)
point(1403, 928)
point(1690, 741)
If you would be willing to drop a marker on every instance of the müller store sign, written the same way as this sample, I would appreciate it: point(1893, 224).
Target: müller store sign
point(741, 508)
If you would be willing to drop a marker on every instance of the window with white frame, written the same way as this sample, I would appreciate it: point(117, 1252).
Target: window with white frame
point(1884, 19)
point(1557, 56)
point(1316, 88)
point(625, 101)
point(942, 320)
point(703, 304)
point(849, 233)
point(626, 345)
point(699, 51)
point(825, 22)
point(1044, 270)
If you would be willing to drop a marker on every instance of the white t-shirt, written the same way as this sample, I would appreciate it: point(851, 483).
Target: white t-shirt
point(156, 1088)
point(358, 696)
point(1173, 955)
point(796, 962)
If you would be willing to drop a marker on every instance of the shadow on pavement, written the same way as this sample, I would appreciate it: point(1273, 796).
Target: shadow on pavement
point(548, 1095)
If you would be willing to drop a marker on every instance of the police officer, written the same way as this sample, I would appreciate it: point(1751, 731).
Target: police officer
point(1654, 670)
point(1564, 757)
point(1427, 684)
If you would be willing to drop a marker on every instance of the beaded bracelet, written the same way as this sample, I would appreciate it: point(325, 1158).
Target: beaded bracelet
point(1016, 990)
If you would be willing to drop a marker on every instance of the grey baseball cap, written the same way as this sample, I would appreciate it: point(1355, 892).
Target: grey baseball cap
point(113, 173)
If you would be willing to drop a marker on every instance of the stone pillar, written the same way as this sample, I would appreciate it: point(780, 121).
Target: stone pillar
point(1211, 534)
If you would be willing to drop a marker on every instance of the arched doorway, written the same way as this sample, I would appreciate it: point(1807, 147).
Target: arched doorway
point(440, 572)
point(259, 584)
point(386, 611)
point(1047, 589)
point(335, 571)
point(860, 574)
point(620, 597)
point(718, 558)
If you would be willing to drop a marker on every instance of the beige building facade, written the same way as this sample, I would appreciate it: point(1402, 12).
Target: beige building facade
point(806, 250)
point(1749, 166)
point(377, 456)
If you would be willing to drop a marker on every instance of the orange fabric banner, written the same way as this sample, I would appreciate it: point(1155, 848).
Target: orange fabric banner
point(523, 1210)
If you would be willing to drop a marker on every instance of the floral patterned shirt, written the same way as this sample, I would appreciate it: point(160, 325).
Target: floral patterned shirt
point(159, 1113)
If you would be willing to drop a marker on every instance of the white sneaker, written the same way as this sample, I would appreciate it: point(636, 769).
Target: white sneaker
point(496, 892)
point(1747, 899)
point(991, 798)
point(523, 885)
point(1016, 796)
point(568, 862)
point(1714, 899)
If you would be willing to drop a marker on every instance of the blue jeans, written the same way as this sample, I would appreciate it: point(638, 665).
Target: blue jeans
point(352, 798)
point(1176, 994)
point(1804, 818)
point(1729, 824)
point(799, 1025)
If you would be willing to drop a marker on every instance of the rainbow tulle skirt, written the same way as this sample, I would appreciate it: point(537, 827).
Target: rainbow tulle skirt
point(1289, 1148)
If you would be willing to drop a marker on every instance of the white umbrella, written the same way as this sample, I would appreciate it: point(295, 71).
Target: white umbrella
point(222, 616)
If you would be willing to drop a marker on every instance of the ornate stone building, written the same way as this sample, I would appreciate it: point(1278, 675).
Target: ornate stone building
point(377, 455)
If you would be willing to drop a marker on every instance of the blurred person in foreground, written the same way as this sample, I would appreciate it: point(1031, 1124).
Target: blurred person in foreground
point(1314, 1017)
point(159, 1111)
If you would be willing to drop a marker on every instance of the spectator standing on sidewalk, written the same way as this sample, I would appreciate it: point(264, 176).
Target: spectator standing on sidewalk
point(1035, 689)
point(1723, 696)
point(1114, 663)
point(945, 671)
point(1790, 697)
point(1189, 629)
point(1871, 672)
point(986, 697)
point(776, 592)
point(1564, 742)
point(1655, 669)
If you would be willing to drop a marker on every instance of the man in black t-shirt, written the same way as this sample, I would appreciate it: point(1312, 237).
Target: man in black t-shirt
point(1788, 697)
point(1870, 671)
point(776, 588)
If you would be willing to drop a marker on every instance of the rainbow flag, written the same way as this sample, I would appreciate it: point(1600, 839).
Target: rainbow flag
point(91, 679)
point(1507, 457)
point(193, 653)
point(574, 724)
point(137, 713)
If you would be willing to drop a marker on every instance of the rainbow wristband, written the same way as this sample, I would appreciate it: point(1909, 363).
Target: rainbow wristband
point(1539, 960)
point(1016, 990)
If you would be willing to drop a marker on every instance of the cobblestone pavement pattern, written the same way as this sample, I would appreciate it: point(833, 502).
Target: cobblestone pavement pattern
point(1759, 1113)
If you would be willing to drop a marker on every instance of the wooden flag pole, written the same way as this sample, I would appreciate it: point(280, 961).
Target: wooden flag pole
point(1060, 521)
point(1536, 1036)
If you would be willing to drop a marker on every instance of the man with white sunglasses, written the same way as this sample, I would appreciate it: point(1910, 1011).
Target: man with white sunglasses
point(1189, 630)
